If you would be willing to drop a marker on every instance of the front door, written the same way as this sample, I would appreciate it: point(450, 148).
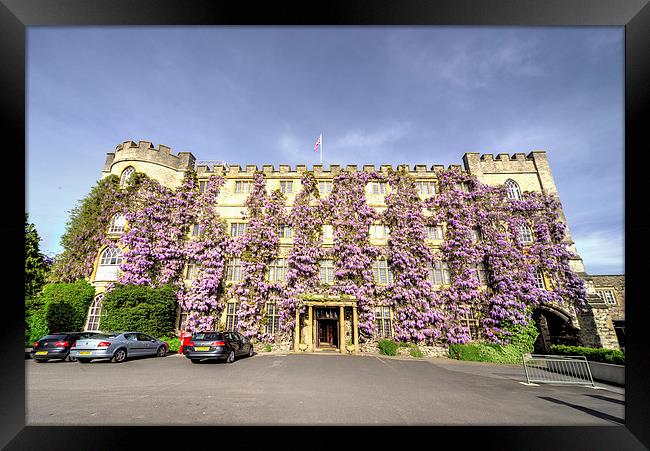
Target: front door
point(327, 334)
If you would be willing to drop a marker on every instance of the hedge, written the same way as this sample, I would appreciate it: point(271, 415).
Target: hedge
point(521, 342)
point(141, 308)
point(387, 347)
point(593, 354)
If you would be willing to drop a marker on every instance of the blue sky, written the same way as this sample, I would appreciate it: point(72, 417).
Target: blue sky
point(380, 95)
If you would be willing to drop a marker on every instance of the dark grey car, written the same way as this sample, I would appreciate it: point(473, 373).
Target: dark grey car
point(118, 346)
point(217, 345)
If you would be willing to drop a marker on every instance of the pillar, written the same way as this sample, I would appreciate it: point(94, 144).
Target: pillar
point(296, 336)
point(355, 329)
point(342, 330)
point(310, 328)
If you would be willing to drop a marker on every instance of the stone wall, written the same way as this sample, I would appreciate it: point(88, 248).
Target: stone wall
point(596, 327)
point(617, 284)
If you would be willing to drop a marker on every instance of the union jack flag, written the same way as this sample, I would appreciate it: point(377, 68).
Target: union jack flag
point(318, 143)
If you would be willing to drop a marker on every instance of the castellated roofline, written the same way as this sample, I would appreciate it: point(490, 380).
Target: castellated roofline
point(145, 151)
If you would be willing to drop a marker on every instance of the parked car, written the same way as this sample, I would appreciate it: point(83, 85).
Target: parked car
point(56, 346)
point(117, 346)
point(217, 345)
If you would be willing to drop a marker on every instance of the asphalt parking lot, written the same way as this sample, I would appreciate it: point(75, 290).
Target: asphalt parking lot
point(307, 389)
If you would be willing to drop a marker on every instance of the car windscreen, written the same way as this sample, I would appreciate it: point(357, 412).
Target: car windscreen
point(207, 336)
point(104, 336)
point(54, 337)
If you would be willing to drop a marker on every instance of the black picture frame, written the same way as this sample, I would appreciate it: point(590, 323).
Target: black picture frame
point(634, 15)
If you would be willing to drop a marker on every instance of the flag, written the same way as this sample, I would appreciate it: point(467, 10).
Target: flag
point(318, 143)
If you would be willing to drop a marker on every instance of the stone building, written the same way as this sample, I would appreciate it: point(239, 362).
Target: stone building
point(611, 289)
point(332, 321)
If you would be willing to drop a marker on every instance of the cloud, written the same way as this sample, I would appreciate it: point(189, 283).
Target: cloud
point(373, 138)
point(601, 251)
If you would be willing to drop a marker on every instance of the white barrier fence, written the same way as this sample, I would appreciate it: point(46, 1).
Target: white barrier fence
point(557, 369)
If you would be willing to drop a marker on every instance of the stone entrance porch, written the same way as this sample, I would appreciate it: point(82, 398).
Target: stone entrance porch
point(327, 326)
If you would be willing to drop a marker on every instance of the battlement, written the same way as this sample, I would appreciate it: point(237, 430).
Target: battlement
point(230, 170)
point(146, 152)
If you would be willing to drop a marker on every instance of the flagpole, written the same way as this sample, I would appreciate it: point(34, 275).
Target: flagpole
point(321, 147)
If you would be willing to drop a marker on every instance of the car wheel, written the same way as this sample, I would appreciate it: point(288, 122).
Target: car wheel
point(250, 351)
point(119, 356)
point(161, 351)
point(231, 357)
point(83, 360)
point(69, 358)
point(194, 360)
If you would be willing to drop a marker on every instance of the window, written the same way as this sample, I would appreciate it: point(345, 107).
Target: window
point(277, 270)
point(237, 229)
point(197, 230)
point(328, 231)
point(439, 273)
point(480, 273)
point(379, 231)
point(426, 188)
point(435, 232)
point(607, 296)
point(284, 231)
point(94, 313)
point(470, 323)
point(382, 322)
point(109, 262)
point(525, 234)
point(233, 270)
point(327, 272)
point(286, 186)
point(126, 176)
point(202, 186)
point(462, 186)
point(192, 270)
point(117, 224)
point(381, 272)
point(476, 235)
point(378, 187)
point(325, 187)
point(512, 188)
point(243, 186)
point(231, 315)
point(272, 318)
point(539, 280)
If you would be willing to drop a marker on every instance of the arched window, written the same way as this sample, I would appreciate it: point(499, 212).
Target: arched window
point(109, 262)
point(117, 224)
point(126, 175)
point(513, 189)
point(94, 312)
point(525, 234)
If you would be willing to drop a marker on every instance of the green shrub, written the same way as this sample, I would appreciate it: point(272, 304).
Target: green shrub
point(36, 328)
point(66, 305)
point(141, 308)
point(173, 342)
point(593, 354)
point(267, 347)
point(415, 352)
point(387, 347)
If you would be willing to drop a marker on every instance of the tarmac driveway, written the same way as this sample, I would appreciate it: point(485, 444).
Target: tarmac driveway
point(306, 389)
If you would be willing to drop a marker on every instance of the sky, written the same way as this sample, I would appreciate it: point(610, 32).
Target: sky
point(380, 95)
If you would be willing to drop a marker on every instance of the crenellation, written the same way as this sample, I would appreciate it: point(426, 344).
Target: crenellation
point(234, 169)
point(368, 168)
point(487, 157)
point(251, 168)
point(301, 168)
point(268, 168)
point(335, 169)
point(163, 149)
point(386, 167)
point(318, 168)
point(351, 168)
point(284, 168)
point(437, 168)
point(420, 168)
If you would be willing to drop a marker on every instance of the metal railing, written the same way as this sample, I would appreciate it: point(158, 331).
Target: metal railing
point(557, 369)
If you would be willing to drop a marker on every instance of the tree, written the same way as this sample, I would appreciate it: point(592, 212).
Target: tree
point(37, 265)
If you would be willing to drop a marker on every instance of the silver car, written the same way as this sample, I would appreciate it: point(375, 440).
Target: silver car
point(117, 346)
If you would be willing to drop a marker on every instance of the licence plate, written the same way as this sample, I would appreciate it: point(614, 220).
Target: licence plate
point(202, 348)
point(41, 353)
point(85, 353)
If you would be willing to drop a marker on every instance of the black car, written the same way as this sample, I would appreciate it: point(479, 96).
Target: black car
point(56, 346)
point(217, 345)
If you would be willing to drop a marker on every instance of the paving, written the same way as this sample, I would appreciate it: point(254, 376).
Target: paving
point(308, 389)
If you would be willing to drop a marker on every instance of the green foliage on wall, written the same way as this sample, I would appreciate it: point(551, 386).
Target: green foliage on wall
point(173, 342)
point(37, 265)
point(140, 308)
point(36, 327)
point(522, 342)
point(602, 355)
